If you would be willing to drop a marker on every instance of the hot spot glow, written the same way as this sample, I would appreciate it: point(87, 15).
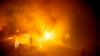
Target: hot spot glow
point(47, 35)
point(44, 40)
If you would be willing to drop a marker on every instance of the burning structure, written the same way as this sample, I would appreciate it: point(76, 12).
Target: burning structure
point(41, 28)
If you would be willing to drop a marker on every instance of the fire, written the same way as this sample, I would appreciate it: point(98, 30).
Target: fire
point(47, 35)
point(22, 39)
point(31, 40)
point(39, 28)
point(41, 39)
point(16, 44)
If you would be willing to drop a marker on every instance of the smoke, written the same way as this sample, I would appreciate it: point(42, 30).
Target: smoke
point(31, 15)
point(16, 15)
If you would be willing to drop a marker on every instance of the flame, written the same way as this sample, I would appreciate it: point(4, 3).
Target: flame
point(47, 35)
point(22, 39)
point(16, 44)
point(41, 41)
point(41, 29)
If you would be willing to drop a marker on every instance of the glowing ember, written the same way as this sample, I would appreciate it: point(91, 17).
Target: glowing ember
point(10, 38)
point(17, 31)
point(16, 44)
